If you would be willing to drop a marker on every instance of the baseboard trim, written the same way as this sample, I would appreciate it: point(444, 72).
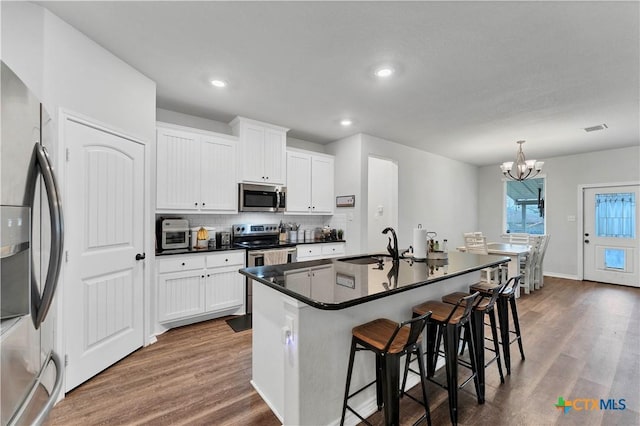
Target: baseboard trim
point(559, 275)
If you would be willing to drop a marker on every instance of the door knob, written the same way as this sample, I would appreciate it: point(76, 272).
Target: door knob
point(586, 241)
point(141, 256)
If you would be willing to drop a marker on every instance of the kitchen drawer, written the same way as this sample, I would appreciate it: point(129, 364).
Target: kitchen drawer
point(333, 249)
point(225, 259)
point(309, 250)
point(180, 264)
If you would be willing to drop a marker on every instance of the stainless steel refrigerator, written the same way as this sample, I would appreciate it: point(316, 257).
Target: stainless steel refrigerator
point(31, 234)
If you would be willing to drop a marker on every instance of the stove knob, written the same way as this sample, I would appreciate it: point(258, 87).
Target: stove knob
point(243, 229)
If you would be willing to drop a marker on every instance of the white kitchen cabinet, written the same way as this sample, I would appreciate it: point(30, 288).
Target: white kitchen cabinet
point(262, 150)
point(200, 285)
point(310, 183)
point(195, 171)
point(180, 295)
point(319, 251)
point(224, 286)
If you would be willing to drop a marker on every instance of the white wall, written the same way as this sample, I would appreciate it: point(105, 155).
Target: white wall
point(349, 181)
point(382, 203)
point(435, 191)
point(563, 175)
point(173, 117)
point(65, 69)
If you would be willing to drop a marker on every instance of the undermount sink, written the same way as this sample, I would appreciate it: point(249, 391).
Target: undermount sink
point(367, 259)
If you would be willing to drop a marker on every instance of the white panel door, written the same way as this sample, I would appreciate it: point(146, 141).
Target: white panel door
point(298, 182)
point(275, 142)
point(610, 240)
point(177, 170)
point(322, 190)
point(103, 286)
point(219, 190)
point(252, 138)
point(224, 288)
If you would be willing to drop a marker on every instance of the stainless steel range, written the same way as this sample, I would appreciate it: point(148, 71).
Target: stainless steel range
point(263, 248)
point(260, 239)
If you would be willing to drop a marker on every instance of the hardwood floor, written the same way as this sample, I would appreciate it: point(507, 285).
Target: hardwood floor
point(581, 340)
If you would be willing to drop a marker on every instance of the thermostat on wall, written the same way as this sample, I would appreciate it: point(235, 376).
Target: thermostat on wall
point(346, 201)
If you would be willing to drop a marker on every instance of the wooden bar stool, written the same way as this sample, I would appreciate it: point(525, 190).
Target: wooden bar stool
point(481, 308)
point(389, 341)
point(446, 322)
point(506, 299)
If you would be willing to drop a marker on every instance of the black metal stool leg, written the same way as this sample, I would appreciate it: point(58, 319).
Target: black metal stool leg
point(391, 379)
point(432, 349)
point(379, 372)
point(496, 345)
point(503, 319)
point(423, 381)
point(516, 324)
point(352, 356)
point(451, 338)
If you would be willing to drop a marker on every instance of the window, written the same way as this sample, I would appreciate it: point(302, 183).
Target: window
point(616, 215)
point(524, 202)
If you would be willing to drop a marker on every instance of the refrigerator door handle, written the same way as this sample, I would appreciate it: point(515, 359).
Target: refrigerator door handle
point(40, 164)
point(53, 395)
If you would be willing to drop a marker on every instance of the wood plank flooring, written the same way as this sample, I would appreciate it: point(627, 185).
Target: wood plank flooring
point(581, 340)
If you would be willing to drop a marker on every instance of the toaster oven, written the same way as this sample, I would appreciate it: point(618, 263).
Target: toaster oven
point(174, 234)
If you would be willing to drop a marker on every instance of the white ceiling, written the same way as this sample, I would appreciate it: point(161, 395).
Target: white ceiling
point(473, 77)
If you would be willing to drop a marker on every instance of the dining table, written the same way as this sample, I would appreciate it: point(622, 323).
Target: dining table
point(516, 252)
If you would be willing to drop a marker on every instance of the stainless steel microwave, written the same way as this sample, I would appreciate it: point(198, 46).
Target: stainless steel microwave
point(262, 198)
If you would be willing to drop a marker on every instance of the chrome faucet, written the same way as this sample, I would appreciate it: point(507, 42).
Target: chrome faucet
point(393, 251)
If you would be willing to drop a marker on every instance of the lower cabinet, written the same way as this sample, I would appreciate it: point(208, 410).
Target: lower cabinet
point(201, 284)
point(319, 251)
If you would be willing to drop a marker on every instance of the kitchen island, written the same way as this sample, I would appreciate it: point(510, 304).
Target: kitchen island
point(302, 320)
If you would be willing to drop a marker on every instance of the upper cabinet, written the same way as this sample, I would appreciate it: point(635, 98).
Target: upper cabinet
point(262, 150)
point(310, 182)
point(195, 171)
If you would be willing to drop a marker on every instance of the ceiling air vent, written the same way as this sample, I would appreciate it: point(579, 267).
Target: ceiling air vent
point(594, 128)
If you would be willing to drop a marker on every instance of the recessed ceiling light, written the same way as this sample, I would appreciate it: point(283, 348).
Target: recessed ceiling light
point(346, 122)
point(218, 83)
point(383, 72)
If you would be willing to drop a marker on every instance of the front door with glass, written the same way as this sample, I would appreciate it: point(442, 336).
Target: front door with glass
point(611, 245)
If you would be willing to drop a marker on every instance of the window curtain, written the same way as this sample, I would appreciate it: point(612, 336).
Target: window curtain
point(616, 215)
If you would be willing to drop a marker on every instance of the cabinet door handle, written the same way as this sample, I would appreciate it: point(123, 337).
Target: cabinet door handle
point(226, 260)
point(141, 256)
point(208, 275)
point(182, 263)
point(203, 204)
point(262, 177)
point(195, 204)
point(202, 276)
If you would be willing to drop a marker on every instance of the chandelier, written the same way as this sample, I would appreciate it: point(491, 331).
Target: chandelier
point(521, 169)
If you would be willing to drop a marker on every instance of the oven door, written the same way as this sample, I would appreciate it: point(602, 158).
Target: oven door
point(175, 239)
point(257, 257)
point(261, 198)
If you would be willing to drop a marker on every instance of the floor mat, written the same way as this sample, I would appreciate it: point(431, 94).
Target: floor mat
point(240, 323)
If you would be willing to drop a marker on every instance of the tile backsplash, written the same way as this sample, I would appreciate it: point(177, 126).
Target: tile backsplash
point(224, 222)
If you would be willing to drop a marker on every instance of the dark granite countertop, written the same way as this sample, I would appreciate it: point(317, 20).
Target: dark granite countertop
point(196, 251)
point(234, 247)
point(339, 283)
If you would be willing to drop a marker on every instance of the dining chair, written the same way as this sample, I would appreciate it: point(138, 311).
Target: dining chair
point(538, 270)
point(518, 238)
point(475, 242)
